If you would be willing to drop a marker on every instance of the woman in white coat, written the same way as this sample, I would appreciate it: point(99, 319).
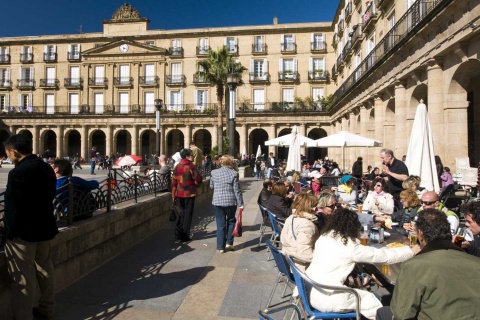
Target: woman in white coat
point(378, 200)
point(336, 251)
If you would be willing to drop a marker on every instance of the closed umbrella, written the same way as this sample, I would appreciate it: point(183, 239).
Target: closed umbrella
point(294, 161)
point(346, 139)
point(420, 153)
point(259, 152)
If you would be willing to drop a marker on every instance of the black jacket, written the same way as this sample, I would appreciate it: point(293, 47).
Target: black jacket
point(279, 206)
point(263, 197)
point(31, 188)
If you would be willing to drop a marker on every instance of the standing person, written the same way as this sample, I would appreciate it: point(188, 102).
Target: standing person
point(227, 196)
point(395, 170)
point(440, 282)
point(446, 178)
point(29, 225)
point(197, 155)
point(357, 169)
point(439, 166)
point(185, 179)
point(93, 159)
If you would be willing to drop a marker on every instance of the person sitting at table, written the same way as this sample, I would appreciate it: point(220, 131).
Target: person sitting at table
point(315, 182)
point(300, 230)
point(413, 183)
point(325, 206)
point(336, 252)
point(280, 203)
point(335, 170)
point(288, 185)
point(411, 206)
point(373, 174)
point(346, 192)
point(378, 200)
point(471, 210)
point(440, 282)
point(265, 193)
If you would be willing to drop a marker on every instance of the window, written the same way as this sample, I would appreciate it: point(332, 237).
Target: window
point(203, 46)
point(100, 77)
point(287, 96)
point(73, 52)
point(5, 78)
point(318, 42)
point(4, 55)
point(98, 102)
point(258, 99)
point(26, 76)
point(358, 71)
point(26, 54)
point(288, 69)
point(50, 53)
point(50, 103)
point(124, 74)
point(392, 36)
point(231, 44)
point(201, 99)
point(288, 42)
point(370, 57)
point(149, 102)
point(74, 75)
point(317, 95)
point(175, 100)
point(259, 44)
point(259, 69)
point(124, 102)
point(4, 102)
point(74, 102)
point(25, 102)
point(176, 72)
point(50, 76)
point(149, 73)
point(317, 65)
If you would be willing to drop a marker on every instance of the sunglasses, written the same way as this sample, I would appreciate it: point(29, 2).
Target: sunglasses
point(428, 203)
point(378, 185)
point(332, 206)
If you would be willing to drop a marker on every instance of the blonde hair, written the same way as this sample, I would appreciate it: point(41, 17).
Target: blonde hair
point(325, 197)
point(411, 181)
point(304, 203)
point(226, 161)
point(295, 176)
point(411, 197)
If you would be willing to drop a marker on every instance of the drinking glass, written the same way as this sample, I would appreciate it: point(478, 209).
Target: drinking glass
point(413, 238)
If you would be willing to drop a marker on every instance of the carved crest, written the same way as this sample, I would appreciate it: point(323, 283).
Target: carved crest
point(126, 12)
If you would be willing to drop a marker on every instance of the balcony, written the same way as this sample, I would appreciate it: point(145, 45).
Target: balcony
point(335, 40)
point(5, 84)
point(49, 83)
point(318, 76)
point(98, 82)
point(259, 49)
point(202, 51)
point(50, 57)
point(176, 80)
point(288, 76)
point(347, 50)
point(199, 80)
point(73, 83)
point(318, 47)
point(123, 82)
point(341, 27)
point(4, 58)
point(290, 47)
point(26, 84)
point(148, 81)
point(73, 56)
point(369, 18)
point(26, 57)
point(334, 72)
point(340, 61)
point(259, 78)
point(382, 3)
point(232, 49)
point(348, 11)
point(357, 35)
point(176, 52)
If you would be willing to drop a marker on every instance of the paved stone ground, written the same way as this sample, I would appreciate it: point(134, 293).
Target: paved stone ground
point(159, 279)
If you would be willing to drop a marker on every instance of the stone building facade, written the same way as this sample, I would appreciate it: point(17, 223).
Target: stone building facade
point(377, 58)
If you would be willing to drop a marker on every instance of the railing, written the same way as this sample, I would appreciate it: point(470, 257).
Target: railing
point(348, 10)
point(288, 76)
point(49, 83)
point(198, 79)
point(73, 83)
point(4, 58)
point(259, 48)
point(5, 83)
point(25, 83)
point(177, 79)
point(341, 26)
point(415, 17)
point(26, 57)
point(122, 81)
point(231, 49)
point(340, 59)
point(357, 34)
point(369, 16)
point(175, 51)
point(255, 77)
point(290, 47)
point(202, 50)
point(347, 50)
point(50, 57)
point(318, 75)
point(148, 80)
point(318, 46)
point(335, 40)
point(73, 56)
point(281, 106)
point(98, 82)
point(71, 203)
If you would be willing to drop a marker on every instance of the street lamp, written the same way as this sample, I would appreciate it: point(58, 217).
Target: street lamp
point(232, 82)
point(158, 108)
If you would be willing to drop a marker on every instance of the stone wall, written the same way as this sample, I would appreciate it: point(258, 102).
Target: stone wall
point(83, 247)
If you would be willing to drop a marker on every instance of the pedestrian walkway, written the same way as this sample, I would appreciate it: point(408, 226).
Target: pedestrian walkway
point(161, 279)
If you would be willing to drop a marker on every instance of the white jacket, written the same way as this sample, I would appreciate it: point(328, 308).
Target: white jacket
point(385, 203)
point(332, 263)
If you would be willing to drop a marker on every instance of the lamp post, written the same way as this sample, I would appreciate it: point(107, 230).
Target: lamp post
point(232, 82)
point(158, 108)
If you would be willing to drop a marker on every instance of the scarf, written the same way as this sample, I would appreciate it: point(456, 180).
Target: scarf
point(375, 193)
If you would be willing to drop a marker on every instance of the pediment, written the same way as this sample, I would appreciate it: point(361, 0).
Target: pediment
point(133, 48)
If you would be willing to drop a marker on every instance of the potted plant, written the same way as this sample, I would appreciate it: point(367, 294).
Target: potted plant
point(318, 73)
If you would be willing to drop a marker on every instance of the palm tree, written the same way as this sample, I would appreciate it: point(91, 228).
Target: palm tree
point(214, 70)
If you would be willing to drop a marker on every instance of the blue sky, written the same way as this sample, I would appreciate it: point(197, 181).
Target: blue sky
point(34, 17)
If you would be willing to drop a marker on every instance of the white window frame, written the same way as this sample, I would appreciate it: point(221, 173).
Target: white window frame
point(99, 102)
point(25, 102)
point(74, 51)
point(176, 72)
point(288, 42)
point(124, 74)
point(5, 102)
point(50, 52)
point(123, 102)
point(149, 98)
point(50, 76)
point(99, 75)
point(74, 107)
point(200, 98)
point(258, 99)
point(203, 46)
point(149, 73)
point(74, 75)
point(318, 41)
point(175, 105)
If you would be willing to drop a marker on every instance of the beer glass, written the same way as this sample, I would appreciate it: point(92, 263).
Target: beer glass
point(413, 238)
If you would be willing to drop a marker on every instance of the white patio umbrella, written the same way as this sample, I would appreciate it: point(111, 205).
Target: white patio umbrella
point(284, 141)
point(346, 139)
point(294, 161)
point(259, 152)
point(420, 153)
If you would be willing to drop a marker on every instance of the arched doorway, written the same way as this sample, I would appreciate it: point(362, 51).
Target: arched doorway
point(3, 136)
point(73, 143)
point(257, 138)
point(316, 153)
point(49, 141)
point(203, 140)
point(98, 140)
point(237, 143)
point(175, 141)
point(124, 142)
point(282, 152)
point(148, 140)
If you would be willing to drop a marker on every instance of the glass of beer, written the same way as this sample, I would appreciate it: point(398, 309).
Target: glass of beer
point(460, 236)
point(360, 207)
point(364, 239)
point(413, 238)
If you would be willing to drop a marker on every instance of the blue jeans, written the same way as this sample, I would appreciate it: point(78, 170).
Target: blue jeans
point(92, 166)
point(225, 217)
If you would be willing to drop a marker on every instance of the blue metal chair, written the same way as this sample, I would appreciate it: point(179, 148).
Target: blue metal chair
point(263, 227)
point(277, 226)
point(302, 281)
point(283, 270)
point(265, 315)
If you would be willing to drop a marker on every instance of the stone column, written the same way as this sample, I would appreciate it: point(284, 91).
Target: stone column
point(60, 153)
point(188, 135)
point(108, 141)
point(379, 121)
point(303, 132)
point(272, 133)
point(135, 140)
point(163, 140)
point(214, 135)
point(401, 133)
point(435, 105)
point(363, 114)
point(36, 139)
point(244, 140)
point(84, 143)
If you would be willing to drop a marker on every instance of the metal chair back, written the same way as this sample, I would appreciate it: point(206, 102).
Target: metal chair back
point(266, 315)
point(263, 227)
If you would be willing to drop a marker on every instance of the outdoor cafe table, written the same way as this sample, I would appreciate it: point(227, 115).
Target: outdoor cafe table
point(386, 274)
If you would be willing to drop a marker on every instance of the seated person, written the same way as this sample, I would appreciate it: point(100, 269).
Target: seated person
point(300, 231)
point(335, 170)
point(280, 203)
point(325, 206)
point(373, 174)
point(315, 182)
point(85, 203)
point(378, 200)
point(471, 210)
point(265, 193)
point(288, 185)
point(336, 252)
point(346, 192)
point(413, 183)
point(411, 206)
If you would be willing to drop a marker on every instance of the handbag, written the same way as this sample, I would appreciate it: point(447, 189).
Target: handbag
point(237, 231)
point(173, 212)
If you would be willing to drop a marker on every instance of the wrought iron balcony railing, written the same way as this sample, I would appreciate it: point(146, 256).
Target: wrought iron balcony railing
point(289, 47)
point(26, 57)
point(357, 34)
point(259, 48)
point(73, 83)
point(341, 26)
point(73, 56)
point(347, 50)
point(175, 52)
point(318, 46)
point(148, 81)
point(50, 57)
point(348, 10)
point(98, 82)
point(255, 77)
point(24, 84)
point(49, 83)
point(232, 49)
point(318, 75)
point(5, 84)
point(202, 50)
point(123, 81)
point(288, 76)
point(176, 80)
point(197, 79)
point(369, 17)
point(4, 58)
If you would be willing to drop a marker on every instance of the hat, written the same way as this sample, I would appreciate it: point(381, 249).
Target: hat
point(346, 178)
point(315, 174)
